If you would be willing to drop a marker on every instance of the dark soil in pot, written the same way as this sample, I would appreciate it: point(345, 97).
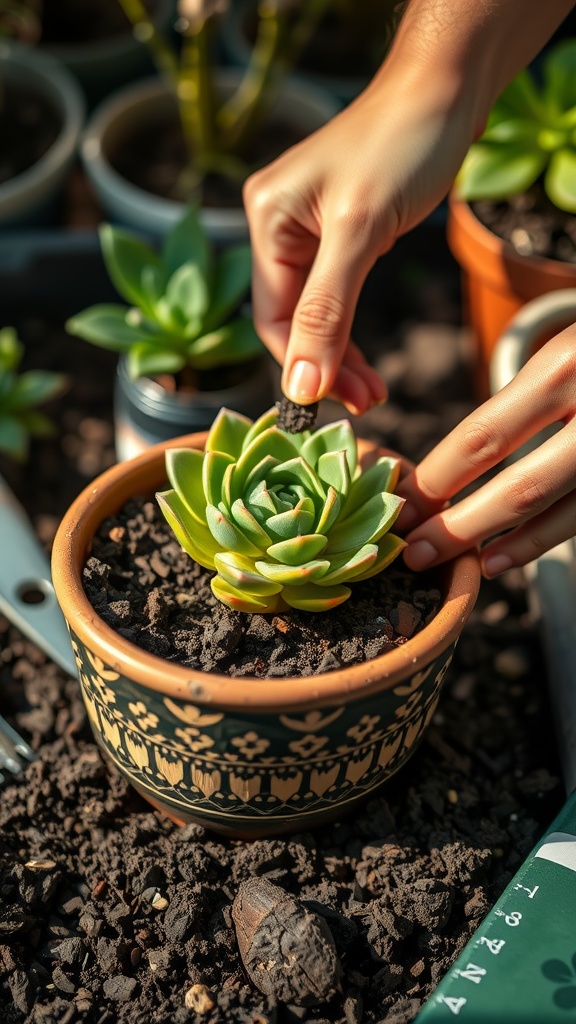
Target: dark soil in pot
point(147, 589)
point(29, 126)
point(532, 225)
point(154, 157)
point(109, 913)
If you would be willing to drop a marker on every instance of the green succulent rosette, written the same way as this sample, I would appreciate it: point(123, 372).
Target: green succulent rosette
point(285, 520)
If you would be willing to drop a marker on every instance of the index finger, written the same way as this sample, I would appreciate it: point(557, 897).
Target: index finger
point(483, 439)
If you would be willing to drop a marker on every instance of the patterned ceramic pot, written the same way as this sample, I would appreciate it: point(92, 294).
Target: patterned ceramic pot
point(249, 757)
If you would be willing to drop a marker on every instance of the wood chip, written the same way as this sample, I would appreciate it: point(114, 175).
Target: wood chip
point(288, 951)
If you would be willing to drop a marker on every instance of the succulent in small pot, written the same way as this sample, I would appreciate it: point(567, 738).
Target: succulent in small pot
point(284, 520)
point(271, 753)
point(21, 392)
point(511, 221)
point(185, 326)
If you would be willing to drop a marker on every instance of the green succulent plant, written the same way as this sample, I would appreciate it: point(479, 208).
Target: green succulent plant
point(531, 134)
point(184, 302)
point(285, 520)
point(20, 394)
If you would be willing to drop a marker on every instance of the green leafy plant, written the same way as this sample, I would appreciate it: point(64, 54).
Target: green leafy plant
point(20, 394)
point(217, 131)
point(531, 134)
point(285, 520)
point(184, 302)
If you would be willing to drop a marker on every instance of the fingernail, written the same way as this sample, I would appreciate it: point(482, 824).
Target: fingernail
point(303, 382)
point(496, 564)
point(407, 518)
point(420, 554)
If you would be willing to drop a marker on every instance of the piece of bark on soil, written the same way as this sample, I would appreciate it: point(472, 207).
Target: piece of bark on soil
point(288, 951)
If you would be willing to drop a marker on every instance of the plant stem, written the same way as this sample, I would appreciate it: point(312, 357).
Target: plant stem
point(146, 32)
point(277, 48)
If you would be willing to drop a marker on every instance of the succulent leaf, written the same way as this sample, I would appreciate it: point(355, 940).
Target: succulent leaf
point(279, 531)
point(184, 469)
point(366, 524)
point(298, 550)
point(214, 469)
point(227, 535)
point(312, 598)
point(529, 136)
point(389, 546)
point(380, 476)
point(180, 302)
point(238, 571)
point(227, 433)
point(243, 601)
point(194, 537)
point(291, 523)
point(249, 525)
point(293, 575)
point(334, 437)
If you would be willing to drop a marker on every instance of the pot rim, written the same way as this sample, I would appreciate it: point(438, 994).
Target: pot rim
point(499, 250)
point(46, 73)
point(460, 580)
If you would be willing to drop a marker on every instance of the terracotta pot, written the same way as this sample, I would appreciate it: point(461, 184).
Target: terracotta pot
point(313, 747)
point(496, 282)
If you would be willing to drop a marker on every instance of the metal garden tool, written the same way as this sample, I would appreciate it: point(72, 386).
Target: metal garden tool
point(520, 965)
point(27, 598)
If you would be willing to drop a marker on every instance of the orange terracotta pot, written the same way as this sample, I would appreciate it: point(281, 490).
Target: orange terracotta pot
point(250, 757)
point(496, 282)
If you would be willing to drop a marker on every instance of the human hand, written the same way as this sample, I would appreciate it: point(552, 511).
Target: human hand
point(322, 214)
point(534, 498)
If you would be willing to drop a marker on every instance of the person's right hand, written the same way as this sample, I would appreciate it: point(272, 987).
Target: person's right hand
point(527, 507)
point(322, 213)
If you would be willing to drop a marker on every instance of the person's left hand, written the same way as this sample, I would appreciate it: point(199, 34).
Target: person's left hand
point(532, 499)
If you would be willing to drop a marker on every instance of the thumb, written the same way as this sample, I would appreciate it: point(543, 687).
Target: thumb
point(322, 321)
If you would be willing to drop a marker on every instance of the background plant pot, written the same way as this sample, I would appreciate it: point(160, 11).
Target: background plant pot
point(115, 121)
point(496, 281)
point(315, 746)
point(342, 83)
point(31, 197)
point(103, 63)
point(145, 413)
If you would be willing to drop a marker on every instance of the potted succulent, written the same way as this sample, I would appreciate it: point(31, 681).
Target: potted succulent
point(186, 342)
point(511, 221)
point(41, 118)
point(286, 700)
point(194, 133)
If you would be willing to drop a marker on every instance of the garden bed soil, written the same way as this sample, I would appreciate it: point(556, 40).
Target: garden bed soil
point(111, 913)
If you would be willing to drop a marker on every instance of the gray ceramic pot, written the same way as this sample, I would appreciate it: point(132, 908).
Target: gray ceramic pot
point(30, 198)
point(149, 100)
point(145, 413)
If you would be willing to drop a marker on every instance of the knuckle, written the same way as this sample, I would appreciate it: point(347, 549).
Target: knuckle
point(564, 368)
point(482, 443)
point(526, 496)
point(321, 315)
point(351, 221)
point(538, 546)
